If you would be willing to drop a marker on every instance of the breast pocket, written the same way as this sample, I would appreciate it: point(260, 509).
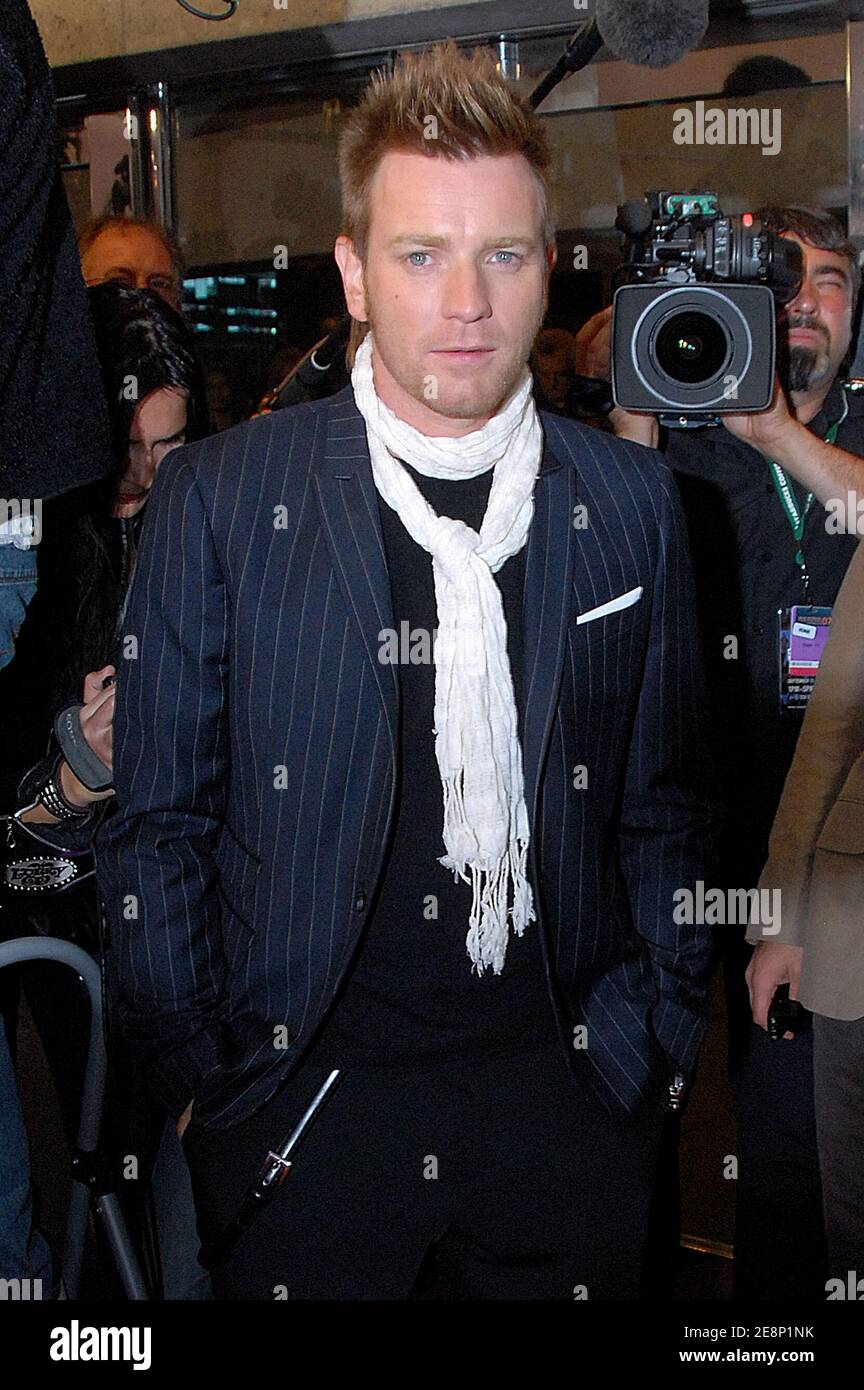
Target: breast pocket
point(609, 621)
point(853, 787)
point(843, 831)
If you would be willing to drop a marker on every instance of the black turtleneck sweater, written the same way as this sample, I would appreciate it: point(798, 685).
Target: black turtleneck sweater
point(411, 994)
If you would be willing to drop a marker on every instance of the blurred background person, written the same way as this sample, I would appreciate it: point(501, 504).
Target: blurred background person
point(133, 251)
point(552, 364)
point(67, 648)
point(48, 371)
point(816, 860)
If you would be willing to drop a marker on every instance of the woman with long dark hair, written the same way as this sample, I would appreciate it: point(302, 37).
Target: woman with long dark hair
point(66, 658)
point(155, 390)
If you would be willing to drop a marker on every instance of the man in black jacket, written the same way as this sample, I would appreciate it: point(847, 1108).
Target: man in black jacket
point(290, 763)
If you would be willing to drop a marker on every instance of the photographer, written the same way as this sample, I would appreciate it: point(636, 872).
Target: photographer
point(749, 565)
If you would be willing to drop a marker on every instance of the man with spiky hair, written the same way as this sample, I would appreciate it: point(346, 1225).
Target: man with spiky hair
point(409, 766)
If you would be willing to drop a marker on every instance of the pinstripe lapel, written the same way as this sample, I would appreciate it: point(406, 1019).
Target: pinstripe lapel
point(349, 503)
point(546, 610)
point(352, 526)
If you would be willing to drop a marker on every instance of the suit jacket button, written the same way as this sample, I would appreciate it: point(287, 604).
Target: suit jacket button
point(360, 902)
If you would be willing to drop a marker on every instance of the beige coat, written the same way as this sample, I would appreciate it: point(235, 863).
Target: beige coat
point(816, 852)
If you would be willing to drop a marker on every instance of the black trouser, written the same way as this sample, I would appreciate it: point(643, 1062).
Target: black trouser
point(839, 1076)
point(529, 1187)
point(780, 1248)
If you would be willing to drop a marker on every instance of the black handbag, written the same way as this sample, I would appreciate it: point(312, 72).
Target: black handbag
point(34, 869)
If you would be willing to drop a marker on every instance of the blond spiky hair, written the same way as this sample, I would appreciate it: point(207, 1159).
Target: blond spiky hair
point(438, 102)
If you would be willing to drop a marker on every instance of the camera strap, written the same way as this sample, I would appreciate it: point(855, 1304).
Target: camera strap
point(795, 515)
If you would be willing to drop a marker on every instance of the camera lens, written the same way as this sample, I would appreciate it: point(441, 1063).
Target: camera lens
point(691, 347)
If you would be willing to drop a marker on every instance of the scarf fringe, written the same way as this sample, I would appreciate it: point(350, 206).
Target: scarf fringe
point(486, 942)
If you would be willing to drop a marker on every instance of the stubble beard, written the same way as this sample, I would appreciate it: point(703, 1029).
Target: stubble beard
point(489, 399)
point(808, 367)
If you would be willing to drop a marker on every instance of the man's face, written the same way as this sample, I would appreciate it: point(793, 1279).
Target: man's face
point(819, 319)
point(134, 257)
point(553, 371)
point(454, 285)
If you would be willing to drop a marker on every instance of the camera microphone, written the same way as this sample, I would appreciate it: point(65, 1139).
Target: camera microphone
point(585, 45)
point(653, 34)
point(635, 218)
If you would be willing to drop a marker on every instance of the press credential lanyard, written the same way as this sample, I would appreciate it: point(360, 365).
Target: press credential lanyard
point(796, 516)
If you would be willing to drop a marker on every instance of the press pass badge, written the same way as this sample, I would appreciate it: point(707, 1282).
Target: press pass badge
point(803, 633)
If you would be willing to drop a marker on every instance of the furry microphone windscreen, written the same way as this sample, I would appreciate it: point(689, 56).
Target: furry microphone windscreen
point(653, 33)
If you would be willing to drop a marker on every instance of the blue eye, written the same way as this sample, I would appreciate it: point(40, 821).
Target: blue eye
point(416, 253)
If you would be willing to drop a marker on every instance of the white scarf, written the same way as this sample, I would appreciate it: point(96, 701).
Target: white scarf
point(486, 827)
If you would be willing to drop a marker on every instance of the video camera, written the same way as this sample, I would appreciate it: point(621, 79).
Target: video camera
point(693, 329)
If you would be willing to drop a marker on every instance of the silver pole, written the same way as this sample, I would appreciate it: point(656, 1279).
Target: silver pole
point(150, 122)
point(160, 162)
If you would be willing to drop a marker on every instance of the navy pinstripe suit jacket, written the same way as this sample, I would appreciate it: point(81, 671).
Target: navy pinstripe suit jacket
point(254, 755)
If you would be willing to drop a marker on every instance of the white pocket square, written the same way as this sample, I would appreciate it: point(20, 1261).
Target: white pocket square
point(622, 601)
